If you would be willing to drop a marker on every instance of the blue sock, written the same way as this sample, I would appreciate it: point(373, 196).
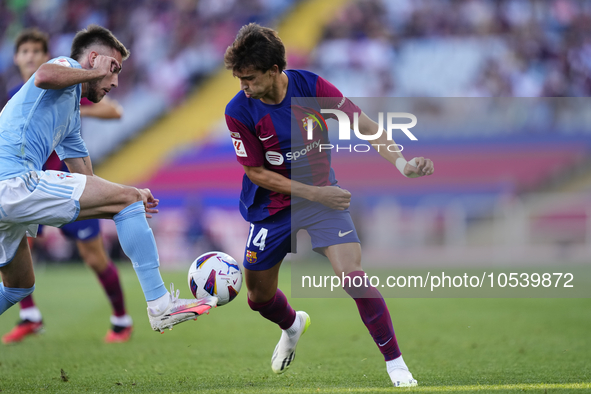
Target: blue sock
point(11, 295)
point(137, 241)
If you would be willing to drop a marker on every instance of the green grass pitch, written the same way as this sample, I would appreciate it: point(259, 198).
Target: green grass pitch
point(464, 345)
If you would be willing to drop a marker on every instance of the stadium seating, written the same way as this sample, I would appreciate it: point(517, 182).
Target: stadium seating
point(490, 166)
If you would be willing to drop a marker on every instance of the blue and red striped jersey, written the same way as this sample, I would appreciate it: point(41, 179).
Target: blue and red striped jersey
point(275, 136)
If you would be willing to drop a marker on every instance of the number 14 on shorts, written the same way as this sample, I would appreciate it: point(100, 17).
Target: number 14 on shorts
point(259, 239)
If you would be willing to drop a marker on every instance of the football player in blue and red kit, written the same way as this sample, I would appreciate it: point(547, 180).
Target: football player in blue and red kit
point(281, 195)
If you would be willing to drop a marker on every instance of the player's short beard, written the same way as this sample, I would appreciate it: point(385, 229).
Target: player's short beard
point(93, 90)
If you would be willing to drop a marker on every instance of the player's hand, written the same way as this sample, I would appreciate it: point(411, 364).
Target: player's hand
point(423, 167)
point(105, 65)
point(150, 203)
point(333, 197)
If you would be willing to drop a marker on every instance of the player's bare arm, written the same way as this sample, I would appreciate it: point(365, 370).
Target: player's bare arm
point(80, 165)
point(331, 196)
point(54, 76)
point(424, 166)
point(104, 109)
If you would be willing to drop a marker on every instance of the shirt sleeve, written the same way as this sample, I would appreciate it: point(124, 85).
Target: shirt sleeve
point(72, 146)
point(330, 97)
point(65, 61)
point(249, 151)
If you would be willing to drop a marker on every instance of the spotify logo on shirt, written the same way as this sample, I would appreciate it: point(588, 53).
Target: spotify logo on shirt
point(275, 158)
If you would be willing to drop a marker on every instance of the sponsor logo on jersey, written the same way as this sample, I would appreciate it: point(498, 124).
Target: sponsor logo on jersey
point(235, 134)
point(251, 256)
point(64, 175)
point(62, 62)
point(342, 234)
point(275, 158)
point(293, 156)
point(239, 148)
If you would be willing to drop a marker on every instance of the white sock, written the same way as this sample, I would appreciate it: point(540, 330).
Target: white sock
point(32, 314)
point(397, 363)
point(121, 321)
point(295, 327)
point(159, 305)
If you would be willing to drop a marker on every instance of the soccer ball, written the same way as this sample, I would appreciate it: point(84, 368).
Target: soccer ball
point(215, 274)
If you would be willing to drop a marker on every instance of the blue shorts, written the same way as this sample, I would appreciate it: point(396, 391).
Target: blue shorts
point(271, 239)
point(83, 230)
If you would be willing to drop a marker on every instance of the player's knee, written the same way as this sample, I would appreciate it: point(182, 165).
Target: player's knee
point(18, 281)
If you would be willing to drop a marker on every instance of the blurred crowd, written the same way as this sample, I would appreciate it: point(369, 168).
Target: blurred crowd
point(370, 48)
point(517, 48)
point(508, 47)
point(173, 43)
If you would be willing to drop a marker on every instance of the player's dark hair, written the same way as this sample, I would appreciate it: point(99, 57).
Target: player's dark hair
point(255, 46)
point(96, 35)
point(32, 35)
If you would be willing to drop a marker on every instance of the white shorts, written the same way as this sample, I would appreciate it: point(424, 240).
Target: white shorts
point(37, 197)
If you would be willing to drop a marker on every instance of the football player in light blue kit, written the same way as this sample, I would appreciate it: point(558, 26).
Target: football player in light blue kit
point(31, 51)
point(45, 116)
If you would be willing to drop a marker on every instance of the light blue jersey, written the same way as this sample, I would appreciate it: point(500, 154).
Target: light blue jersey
point(35, 122)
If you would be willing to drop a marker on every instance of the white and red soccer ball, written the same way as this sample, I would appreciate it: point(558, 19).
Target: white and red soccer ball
point(215, 274)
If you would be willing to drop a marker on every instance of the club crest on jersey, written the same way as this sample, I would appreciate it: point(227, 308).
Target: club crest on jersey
point(251, 256)
point(62, 62)
point(64, 175)
point(313, 120)
point(239, 147)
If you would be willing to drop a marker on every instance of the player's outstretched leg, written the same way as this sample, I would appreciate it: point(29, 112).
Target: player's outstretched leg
point(30, 323)
point(376, 317)
point(125, 205)
point(293, 324)
point(137, 240)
